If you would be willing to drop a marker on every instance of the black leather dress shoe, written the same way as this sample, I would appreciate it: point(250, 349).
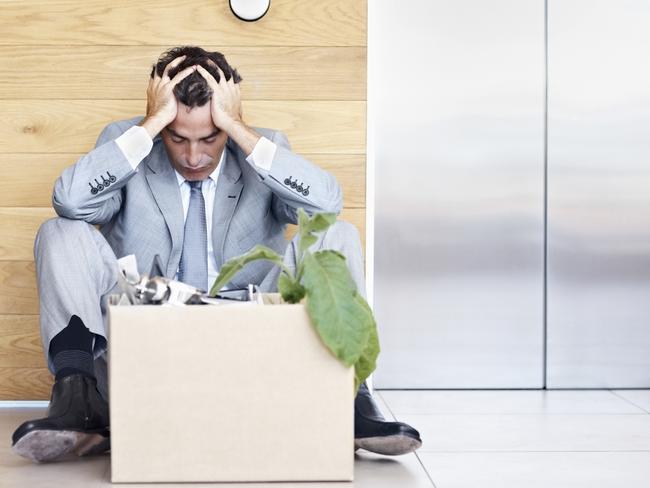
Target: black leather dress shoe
point(77, 422)
point(373, 433)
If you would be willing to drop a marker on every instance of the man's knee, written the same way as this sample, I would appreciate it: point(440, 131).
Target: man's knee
point(53, 229)
point(340, 235)
point(58, 225)
point(343, 233)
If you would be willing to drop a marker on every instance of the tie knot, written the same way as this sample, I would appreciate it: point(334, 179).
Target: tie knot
point(196, 184)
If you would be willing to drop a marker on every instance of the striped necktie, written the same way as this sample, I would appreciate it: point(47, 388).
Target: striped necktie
point(193, 269)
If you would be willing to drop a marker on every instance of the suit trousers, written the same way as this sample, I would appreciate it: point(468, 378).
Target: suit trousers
point(76, 271)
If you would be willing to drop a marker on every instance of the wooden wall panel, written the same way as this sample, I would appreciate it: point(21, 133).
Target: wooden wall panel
point(18, 293)
point(25, 383)
point(147, 22)
point(50, 126)
point(20, 342)
point(18, 228)
point(71, 67)
point(31, 186)
point(103, 72)
point(21, 225)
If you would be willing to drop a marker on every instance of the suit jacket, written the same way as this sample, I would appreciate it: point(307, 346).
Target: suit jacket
point(140, 212)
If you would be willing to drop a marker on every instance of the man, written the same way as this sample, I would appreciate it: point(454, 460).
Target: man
point(190, 182)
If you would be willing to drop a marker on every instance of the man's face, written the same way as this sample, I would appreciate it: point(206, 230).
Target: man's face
point(194, 145)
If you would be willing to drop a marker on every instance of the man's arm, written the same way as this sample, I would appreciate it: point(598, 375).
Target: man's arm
point(297, 182)
point(294, 181)
point(90, 190)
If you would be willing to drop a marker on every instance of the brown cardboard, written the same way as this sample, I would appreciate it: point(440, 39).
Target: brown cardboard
point(226, 393)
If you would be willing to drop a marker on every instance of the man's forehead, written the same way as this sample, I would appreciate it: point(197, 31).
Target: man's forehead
point(194, 122)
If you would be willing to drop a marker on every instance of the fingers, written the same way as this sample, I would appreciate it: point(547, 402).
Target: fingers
point(182, 74)
point(222, 78)
point(172, 64)
point(208, 77)
point(216, 66)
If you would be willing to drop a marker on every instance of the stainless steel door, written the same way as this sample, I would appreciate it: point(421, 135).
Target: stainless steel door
point(457, 96)
point(598, 194)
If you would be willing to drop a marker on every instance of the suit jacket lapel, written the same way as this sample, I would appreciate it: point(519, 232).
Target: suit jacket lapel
point(164, 187)
point(229, 189)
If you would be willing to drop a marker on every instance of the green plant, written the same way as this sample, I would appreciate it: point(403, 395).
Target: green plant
point(340, 315)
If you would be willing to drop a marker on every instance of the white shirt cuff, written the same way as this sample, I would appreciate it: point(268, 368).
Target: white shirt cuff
point(135, 144)
point(263, 154)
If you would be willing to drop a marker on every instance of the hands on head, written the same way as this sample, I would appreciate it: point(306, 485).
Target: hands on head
point(225, 104)
point(162, 105)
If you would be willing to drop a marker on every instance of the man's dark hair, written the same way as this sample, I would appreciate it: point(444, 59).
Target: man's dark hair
point(193, 90)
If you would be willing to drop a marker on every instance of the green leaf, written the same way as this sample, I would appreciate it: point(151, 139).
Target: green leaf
point(319, 222)
point(340, 319)
point(341, 316)
point(290, 289)
point(368, 360)
point(232, 266)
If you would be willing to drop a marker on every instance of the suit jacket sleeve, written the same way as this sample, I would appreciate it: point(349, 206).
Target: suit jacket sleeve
point(91, 189)
point(296, 182)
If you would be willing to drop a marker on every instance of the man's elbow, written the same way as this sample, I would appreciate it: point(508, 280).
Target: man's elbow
point(65, 207)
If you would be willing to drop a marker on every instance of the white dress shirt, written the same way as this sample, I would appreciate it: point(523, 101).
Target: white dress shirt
point(136, 144)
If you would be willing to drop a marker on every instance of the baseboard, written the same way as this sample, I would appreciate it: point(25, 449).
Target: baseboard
point(23, 404)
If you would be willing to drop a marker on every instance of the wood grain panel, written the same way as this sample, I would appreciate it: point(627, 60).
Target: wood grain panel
point(21, 224)
point(18, 294)
point(27, 179)
point(71, 67)
point(103, 72)
point(18, 227)
point(21, 357)
point(123, 22)
point(20, 342)
point(25, 383)
point(47, 126)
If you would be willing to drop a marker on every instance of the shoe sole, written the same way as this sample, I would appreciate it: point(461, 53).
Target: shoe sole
point(394, 445)
point(48, 445)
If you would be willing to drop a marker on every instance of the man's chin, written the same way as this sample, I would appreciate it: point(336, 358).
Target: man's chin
point(193, 175)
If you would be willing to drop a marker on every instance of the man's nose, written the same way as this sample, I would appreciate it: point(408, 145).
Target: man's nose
point(193, 156)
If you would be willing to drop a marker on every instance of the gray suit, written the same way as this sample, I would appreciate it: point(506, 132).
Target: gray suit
point(140, 212)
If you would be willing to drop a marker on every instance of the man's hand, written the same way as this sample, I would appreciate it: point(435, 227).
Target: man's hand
point(161, 102)
point(225, 107)
point(226, 99)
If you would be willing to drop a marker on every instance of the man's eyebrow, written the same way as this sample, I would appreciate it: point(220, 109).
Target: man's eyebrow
point(214, 133)
point(176, 134)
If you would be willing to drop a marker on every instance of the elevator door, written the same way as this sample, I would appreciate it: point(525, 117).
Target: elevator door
point(598, 194)
point(457, 95)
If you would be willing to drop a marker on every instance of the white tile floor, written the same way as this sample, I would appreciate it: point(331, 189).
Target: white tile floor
point(478, 438)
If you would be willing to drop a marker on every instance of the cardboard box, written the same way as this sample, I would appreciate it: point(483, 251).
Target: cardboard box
point(226, 393)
